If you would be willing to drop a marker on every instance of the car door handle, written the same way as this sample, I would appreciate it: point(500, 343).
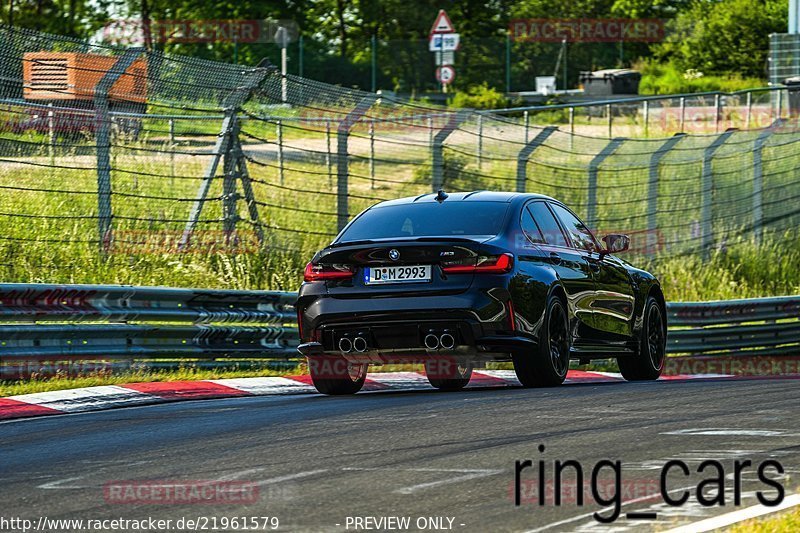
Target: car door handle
point(594, 264)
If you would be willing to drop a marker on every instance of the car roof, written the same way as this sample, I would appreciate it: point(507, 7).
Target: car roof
point(473, 196)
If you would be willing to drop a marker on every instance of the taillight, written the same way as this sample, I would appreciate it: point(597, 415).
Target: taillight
point(327, 272)
point(300, 323)
point(493, 264)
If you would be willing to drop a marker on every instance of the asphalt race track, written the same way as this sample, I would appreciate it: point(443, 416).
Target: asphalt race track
point(319, 460)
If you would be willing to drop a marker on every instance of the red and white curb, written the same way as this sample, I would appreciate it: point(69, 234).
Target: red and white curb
point(132, 394)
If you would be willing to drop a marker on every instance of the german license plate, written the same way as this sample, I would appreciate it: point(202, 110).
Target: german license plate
point(397, 274)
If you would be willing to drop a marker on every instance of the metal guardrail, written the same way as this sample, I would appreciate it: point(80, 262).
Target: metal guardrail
point(754, 326)
point(112, 322)
point(83, 322)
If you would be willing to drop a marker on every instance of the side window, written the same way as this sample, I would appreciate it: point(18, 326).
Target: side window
point(551, 232)
point(530, 229)
point(581, 236)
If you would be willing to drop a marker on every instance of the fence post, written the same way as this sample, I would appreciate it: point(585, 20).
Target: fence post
point(437, 155)
point(706, 237)
point(231, 105)
point(279, 133)
point(591, 188)
point(610, 120)
point(342, 137)
point(51, 133)
point(328, 152)
point(652, 182)
point(525, 153)
point(683, 112)
point(717, 111)
point(646, 114)
point(172, 148)
point(247, 186)
point(229, 196)
point(527, 120)
point(758, 179)
point(479, 146)
point(749, 109)
point(572, 120)
point(221, 148)
point(371, 154)
point(103, 141)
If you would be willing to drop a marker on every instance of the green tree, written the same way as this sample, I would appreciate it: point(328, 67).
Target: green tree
point(718, 37)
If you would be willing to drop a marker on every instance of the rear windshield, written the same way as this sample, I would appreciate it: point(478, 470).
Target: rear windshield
point(428, 220)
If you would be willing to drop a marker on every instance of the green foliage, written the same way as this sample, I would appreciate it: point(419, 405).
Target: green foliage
point(724, 36)
point(743, 271)
point(479, 97)
point(667, 78)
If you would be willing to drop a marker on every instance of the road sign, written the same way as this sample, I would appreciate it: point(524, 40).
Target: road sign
point(445, 58)
point(442, 23)
point(445, 74)
point(444, 42)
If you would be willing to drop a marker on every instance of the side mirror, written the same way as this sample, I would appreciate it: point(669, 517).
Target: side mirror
point(615, 243)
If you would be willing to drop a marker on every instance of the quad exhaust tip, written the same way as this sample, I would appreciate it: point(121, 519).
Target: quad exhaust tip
point(345, 345)
point(360, 344)
point(431, 341)
point(447, 341)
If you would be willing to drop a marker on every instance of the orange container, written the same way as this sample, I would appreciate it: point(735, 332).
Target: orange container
point(74, 76)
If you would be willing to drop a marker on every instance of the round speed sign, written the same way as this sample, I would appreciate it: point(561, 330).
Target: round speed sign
point(445, 74)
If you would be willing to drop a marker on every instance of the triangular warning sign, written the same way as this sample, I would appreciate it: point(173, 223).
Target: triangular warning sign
point(442, 23)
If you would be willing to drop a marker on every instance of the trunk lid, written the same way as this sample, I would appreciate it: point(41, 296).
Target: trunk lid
point(412, 251)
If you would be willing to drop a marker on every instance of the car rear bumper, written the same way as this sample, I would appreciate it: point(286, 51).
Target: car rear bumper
point(396, 329)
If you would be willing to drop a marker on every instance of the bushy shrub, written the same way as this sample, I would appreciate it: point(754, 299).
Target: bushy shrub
point(479, 97)
point(667, 78)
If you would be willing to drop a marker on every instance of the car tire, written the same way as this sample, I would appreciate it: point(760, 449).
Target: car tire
point(335, 375)
point(448, 375)
point(547, 366)
point(648, 363)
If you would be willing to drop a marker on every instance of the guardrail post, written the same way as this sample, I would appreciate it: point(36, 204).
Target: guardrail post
point(610, 120)
point(682, 105)
point(437, 155)
point(342, 137)
point(758, 178)
point(525, 153)
point(646, 115)
point(707, 184)
point(103, 141)
point(652, 182)
point(591, 187)
point(749, 110)
point(717, 112)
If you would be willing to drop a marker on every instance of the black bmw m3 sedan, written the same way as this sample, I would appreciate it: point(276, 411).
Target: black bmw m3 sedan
point(456, 280)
